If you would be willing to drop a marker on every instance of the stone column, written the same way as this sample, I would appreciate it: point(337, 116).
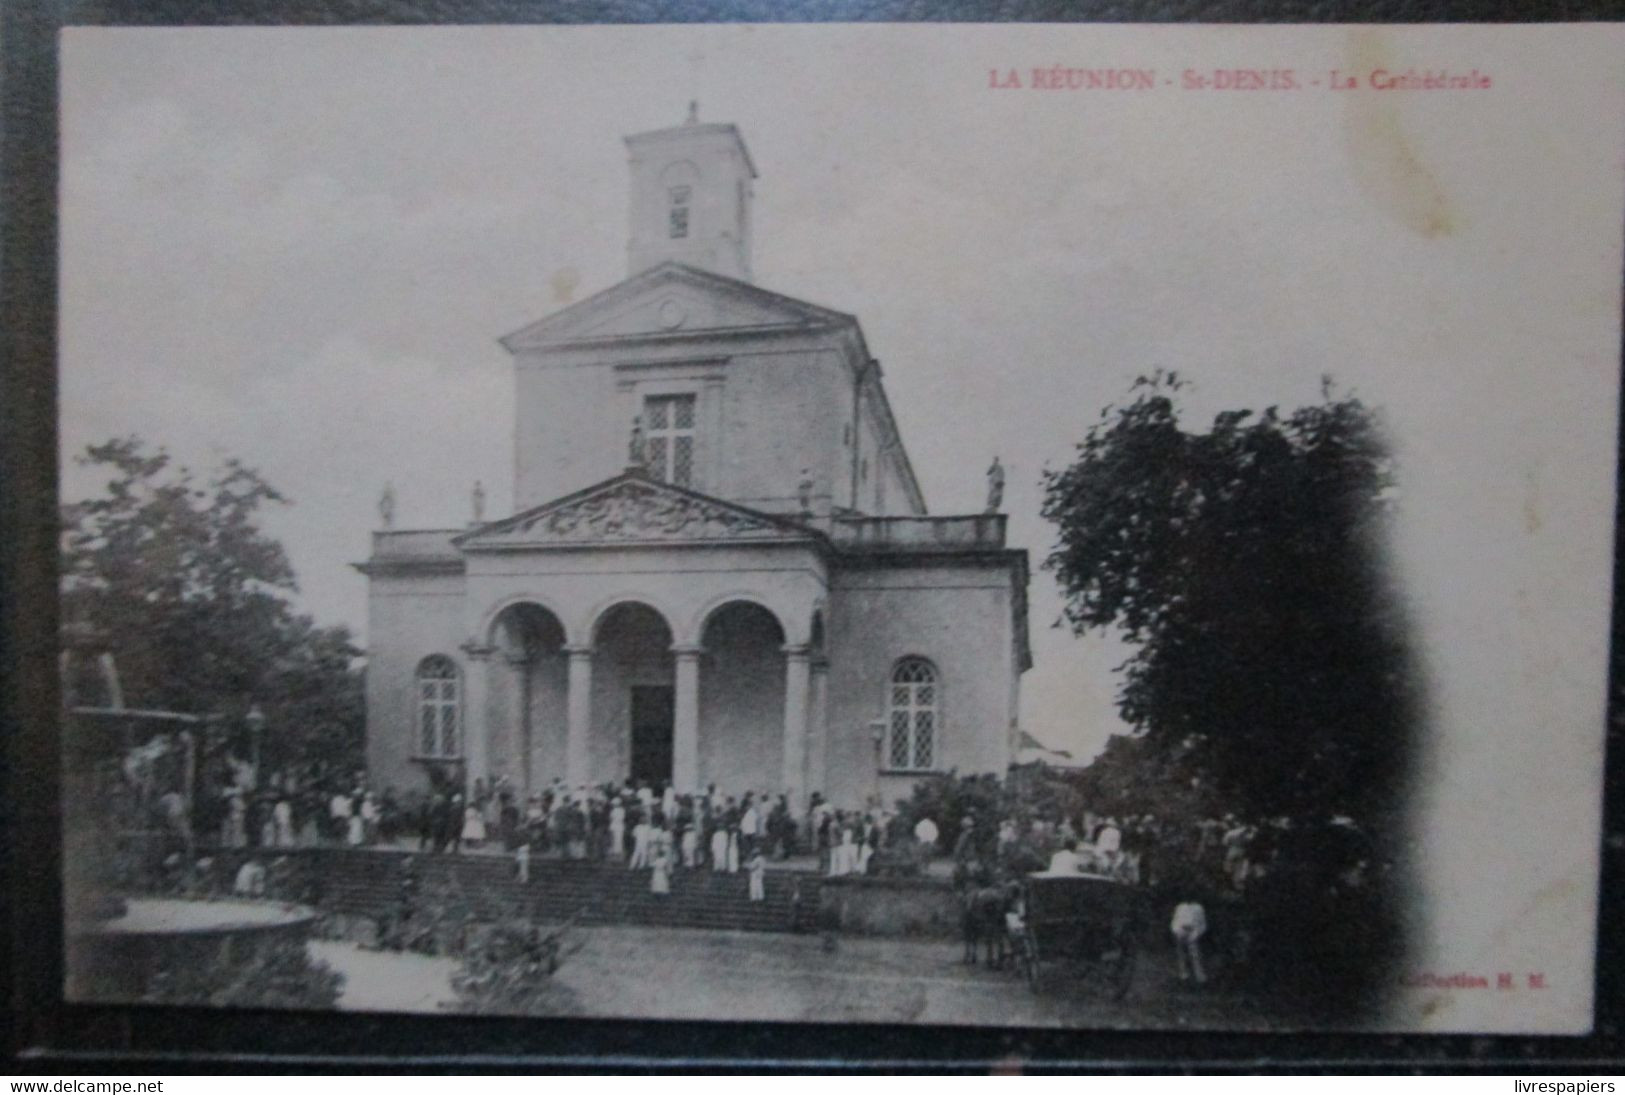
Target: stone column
point(797, 663)
point(818, 728)
point(578, 732)
point(685, 734)
point(476, 714)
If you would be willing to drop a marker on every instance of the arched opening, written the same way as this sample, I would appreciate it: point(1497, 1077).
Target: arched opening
point(742, 683)
point(633, 696)
point(527, 704)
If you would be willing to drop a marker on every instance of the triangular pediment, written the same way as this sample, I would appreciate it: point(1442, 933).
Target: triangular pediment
point(673, 300)
point(632, 509)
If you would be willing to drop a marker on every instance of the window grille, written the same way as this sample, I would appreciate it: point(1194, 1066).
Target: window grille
point(438, 722)
point(669, 448)
point(914, 695)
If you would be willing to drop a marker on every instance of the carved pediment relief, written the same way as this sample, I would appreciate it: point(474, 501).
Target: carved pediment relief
point(631, 510)
point(671, 299)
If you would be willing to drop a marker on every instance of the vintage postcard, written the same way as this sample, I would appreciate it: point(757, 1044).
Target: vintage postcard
point(1062, 526)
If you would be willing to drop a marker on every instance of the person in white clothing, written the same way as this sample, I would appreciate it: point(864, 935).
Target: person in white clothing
point(750, 823)
point(617, 831)
point(719, 847)
point(691, 845)
point(640, 844)
point(1066, 860)
point(865, 848)
point(282, 814)
point(925, 831)
point(1108, 845)
point(659, 854)
point(1188, 926)
point(250, 881)
point(339, 810)
point(473, 826)
point(843, 860)
point(758, 877)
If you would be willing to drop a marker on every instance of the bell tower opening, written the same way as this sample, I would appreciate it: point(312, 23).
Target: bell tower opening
point(691, 197)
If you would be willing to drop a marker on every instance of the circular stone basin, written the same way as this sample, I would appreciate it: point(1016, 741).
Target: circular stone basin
point(171, 916)
point(116, 959)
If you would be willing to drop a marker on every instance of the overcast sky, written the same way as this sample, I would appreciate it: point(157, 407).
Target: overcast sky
point(298, 247)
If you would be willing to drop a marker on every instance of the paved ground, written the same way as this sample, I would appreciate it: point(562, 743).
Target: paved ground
point(684, 974)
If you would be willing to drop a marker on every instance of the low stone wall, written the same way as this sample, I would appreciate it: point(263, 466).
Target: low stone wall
point(922, 907)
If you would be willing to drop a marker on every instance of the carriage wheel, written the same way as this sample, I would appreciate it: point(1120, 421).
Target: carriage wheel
point(1029, 959)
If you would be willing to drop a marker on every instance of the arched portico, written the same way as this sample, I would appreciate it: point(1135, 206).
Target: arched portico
point(696, 686)
point(526, 695)
point(631, 721)
point(741, 698)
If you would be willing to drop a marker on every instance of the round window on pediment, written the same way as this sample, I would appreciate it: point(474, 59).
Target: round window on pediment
point(672, 314)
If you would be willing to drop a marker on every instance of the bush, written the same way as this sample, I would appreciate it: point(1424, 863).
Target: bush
point(279, 975)
point(509, 971)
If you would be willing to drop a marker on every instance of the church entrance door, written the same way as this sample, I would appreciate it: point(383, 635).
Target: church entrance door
point(653, 713)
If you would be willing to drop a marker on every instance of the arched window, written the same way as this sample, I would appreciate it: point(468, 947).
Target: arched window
point(439, 732)
point(914, 695)
point(677, 211)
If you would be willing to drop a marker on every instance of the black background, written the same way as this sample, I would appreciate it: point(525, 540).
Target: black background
point(43, 1035)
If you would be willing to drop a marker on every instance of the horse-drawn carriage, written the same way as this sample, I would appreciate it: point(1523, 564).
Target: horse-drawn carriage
point(1090, 923)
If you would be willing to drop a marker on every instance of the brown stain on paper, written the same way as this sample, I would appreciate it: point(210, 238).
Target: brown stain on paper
point(1532, 521)
point(564, 284)
point(1387, 167)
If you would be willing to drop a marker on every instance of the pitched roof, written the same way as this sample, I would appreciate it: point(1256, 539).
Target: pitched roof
point(630, 508)
point(780, 310)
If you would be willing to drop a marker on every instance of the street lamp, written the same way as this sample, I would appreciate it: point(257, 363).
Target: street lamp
point(256, 729)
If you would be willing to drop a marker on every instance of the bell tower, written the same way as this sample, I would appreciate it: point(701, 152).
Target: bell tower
point(691, 197)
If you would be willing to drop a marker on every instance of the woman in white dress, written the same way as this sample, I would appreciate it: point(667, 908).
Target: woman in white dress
point(719, 845)
point(865, 848)
point(617, 832)
point(691, 845)
point(282, 814)
point(840, 856)
point(660, 860)
point(473, 826)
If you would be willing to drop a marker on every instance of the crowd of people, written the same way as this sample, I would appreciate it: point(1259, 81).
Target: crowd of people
point(1222, 874)
point(287, 811)
point(640, 824)
point(1255, 881)
point(654, 827)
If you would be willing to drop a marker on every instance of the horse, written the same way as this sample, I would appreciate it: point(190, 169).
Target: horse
point(982, 912)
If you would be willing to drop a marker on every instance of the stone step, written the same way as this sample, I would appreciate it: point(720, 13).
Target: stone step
point(367, 883)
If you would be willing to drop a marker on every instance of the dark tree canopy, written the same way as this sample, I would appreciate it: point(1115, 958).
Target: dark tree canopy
point(1243, 563)
point(175, 576)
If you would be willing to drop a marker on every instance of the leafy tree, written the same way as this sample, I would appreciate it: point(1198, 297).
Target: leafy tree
point(174, 574)
point(1270, 675)
point(1243, 564)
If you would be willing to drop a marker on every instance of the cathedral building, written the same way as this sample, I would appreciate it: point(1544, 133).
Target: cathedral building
point(720, 569)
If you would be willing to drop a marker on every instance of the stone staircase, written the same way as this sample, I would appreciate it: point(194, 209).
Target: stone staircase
point(356, 882)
